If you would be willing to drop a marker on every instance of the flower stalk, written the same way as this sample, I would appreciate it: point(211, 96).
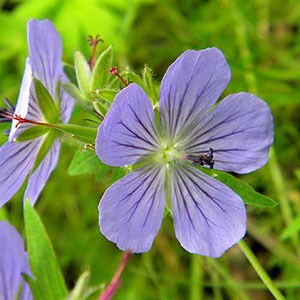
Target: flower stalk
point(260, 271)
point(115, 282)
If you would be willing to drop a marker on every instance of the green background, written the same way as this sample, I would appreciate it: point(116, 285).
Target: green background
point(261, 41)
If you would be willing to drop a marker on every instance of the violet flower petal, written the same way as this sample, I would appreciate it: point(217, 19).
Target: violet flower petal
point(240, 131)
point(45, 53)
point(190, 87)
point(40, 176)
point(13, 262)
point(43, 63)
point(131, 210)
point(24, 105)
point(16, 160)
point(128, 132)
point(208, 216)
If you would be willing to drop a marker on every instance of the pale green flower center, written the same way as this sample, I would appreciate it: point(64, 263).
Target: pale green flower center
point(168, 153)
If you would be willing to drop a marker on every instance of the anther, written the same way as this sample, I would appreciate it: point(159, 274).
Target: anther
point(7, 114)
point(203, 159)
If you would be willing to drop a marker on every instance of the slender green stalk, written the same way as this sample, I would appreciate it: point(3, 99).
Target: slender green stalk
point(217, 291)
point(260, 271)
point(279, 186)
point(196, 287)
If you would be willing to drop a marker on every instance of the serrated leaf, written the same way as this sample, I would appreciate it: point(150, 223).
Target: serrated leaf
point(74, 92)
point(100, 75)
point(46, 103)
point(32, 133)
point(83, 73)
point(244, 190)
point(84, 162)
point(48, 283)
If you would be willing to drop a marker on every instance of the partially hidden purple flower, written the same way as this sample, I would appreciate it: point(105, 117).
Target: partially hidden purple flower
point(17, 159)
point(13, 263)
point(234, 136)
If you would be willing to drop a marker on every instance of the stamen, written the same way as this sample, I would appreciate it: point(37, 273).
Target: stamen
point(93, 43)
point(114, 71)
point(6, 114)
point(203, 159)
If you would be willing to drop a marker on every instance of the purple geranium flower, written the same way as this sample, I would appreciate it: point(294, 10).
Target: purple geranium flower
point(17, 159)
point(13, 262)
point(234, 136)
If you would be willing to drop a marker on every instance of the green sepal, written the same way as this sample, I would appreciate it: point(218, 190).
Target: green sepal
point(107, 94)
point(46, 103)
point(83, 73)
point(150, 88)
point(145, 82)
point(32, 133)
point(245, 191)
point(48, 282)
point(87, 133)
point(70, 72)
point(101, 75)
point(84, 162)
point(133, 77)
point(45, 147)
point(74, 92)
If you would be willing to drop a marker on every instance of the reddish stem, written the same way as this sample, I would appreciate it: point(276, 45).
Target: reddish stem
point(21, 120)
point(115, 282)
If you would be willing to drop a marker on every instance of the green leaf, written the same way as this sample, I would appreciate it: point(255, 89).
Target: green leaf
point(107, 94)
point(45, 147)
point(48, 282)
point(74, 92)
point(32, 133)
point(81, 287)
point(46, 103)
point(292, 229)
point(101, 108)
point(101, 74)
point(88, 134)
point(84, 162)
point(70, 72)
point(83, 73)
point(245, 191)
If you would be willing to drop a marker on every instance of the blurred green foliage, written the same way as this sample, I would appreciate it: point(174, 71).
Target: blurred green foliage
point(261, 41)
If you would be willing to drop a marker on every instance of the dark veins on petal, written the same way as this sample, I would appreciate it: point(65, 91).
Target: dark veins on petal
point(192, 111)
point(134, 207)
point(197, 205)
point(151, 134)
point(16, 167)
point(135, 135)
